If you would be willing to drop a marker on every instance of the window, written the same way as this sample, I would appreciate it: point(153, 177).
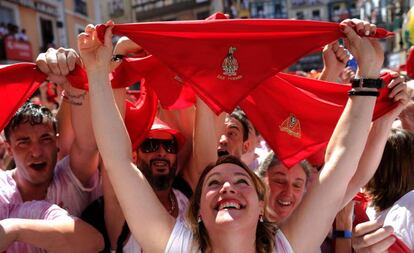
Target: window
point(300, 15)
point(47, 33)
point(7, 15)
point(316, 15)
point(80, 7)
point(297, 2)
point(116, 8)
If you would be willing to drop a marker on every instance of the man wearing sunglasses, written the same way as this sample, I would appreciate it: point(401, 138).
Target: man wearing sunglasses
point(156, 157)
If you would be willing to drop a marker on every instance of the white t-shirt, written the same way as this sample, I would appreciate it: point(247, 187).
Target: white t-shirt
point(132, 245)
point(181, 239)
point(65, 190)
point(401, 217)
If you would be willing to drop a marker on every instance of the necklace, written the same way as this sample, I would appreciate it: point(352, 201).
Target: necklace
point(172, 200)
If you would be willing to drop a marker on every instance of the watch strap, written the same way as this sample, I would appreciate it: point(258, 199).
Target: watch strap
point(367, 83)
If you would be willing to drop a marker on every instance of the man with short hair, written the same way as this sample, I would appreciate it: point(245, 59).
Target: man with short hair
point(234, 140)
point(32, 140)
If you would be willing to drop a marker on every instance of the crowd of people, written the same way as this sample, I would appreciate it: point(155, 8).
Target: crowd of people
point(12, 30)
point(74, 181)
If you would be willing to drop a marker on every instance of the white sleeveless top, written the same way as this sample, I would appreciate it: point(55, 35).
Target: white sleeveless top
point(132, 245)
point(181, 239)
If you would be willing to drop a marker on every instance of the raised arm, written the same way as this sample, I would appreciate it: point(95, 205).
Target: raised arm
point(64, 235)
point(407, 115)
point(149, 222)
point(83, 152)
point(377, 139)
point(317, 210)
point(335, 57)
point(207, 129)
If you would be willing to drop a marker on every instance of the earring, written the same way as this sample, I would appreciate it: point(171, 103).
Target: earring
point(261, 218)
point(199, 219)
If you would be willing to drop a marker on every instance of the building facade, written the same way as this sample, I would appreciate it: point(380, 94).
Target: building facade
point(169, 10)
point(47, 23)
point(308, 9)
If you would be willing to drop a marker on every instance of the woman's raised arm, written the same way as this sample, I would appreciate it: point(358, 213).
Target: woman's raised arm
point(148, 220)
point(311, 221)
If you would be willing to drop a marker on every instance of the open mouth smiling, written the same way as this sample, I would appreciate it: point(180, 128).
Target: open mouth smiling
point(229, 204)
point(284, 203)
point(160, 165)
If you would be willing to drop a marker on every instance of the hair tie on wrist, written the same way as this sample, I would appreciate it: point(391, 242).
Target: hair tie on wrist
point(363, 93)
point(342, 234)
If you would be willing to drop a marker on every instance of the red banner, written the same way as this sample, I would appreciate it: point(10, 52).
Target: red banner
point(18, 50)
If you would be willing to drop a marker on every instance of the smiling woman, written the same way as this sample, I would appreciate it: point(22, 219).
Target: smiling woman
point(287, 185)
point(229, 200)
point(230, 184)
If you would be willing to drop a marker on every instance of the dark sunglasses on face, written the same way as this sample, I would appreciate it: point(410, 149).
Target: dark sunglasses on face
point(152, 145)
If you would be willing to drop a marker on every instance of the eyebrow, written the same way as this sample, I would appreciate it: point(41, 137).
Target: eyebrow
point(284, 174)
point(22, 138)
point(279, 173)
point(236, 173)
point(234, 126)
point(299, 179)
point(46, 135)
point(242, 174)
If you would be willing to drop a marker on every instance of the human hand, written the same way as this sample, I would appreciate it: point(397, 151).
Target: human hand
point(125, 47)
point(346, 75)
point(371, 237)
point(367, 51)
point(335, 56)
point(94, 54)
point(57, 63)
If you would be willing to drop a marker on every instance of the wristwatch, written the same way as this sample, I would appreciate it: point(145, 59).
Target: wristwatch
point(367, 83)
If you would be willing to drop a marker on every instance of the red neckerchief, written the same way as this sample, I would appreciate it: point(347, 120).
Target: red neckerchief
point(225, 60)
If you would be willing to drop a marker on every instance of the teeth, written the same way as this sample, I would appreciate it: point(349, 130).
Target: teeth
point(284, 203)
point(229, 205)
point(160, 163)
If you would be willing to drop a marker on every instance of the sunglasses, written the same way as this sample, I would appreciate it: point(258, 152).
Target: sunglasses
point(152, 145)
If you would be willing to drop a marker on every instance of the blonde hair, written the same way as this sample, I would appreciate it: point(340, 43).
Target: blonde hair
point(265, 231)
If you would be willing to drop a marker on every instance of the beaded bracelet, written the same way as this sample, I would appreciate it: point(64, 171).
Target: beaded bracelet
point(73, 99)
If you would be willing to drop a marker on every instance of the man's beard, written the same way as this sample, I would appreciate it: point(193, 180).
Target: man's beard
point(158, 182)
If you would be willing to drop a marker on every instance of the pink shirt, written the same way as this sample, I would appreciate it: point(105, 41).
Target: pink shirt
point(31, 210)
point(65, 190)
